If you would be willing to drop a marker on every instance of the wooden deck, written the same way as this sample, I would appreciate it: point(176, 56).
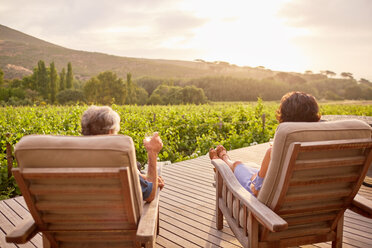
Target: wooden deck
point(187, 209)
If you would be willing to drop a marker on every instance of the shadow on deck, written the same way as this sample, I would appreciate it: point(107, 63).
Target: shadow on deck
point(187, 209)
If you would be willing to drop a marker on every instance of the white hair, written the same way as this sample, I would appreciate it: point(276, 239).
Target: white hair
point(100, 120)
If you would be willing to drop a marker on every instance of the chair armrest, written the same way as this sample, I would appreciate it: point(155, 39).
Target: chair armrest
point(362, 206)
point(263, 214)
point(23, 233)
point(148, 222)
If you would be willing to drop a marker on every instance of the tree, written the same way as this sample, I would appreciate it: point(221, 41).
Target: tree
point(347, 75)
point(149, 83)
point(365, 82)
point(28, 82)
point(289, 78)
point(191, 94)
point(328, 73)
point(353, 92)
point(141, 96)
point(69, 77)
point(92, 90)
point(42, 79)
point(165, 94)
point(70, 96)
point(15, 83)
point(53, 82)
point(62, 80)
point(106, 88)
point(1, 78)
point(308, 72)
point(130, 99)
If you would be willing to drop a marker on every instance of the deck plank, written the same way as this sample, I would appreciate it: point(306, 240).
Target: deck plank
point(187, 208)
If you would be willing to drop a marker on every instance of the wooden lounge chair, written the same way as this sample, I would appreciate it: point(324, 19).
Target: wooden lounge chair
point(315, 173)
point(83, 192)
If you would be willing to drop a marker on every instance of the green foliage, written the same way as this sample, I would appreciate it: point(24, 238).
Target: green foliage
point(7, 93)
point(8, 186)
point(290, 78)
point(165, 95)
point(70, 96)
point(53, 83)
point(187, 131)
point(149, 83)
point(69, 76)
point(104, 88)
point(107, 87)
point(15, 83)
point(193, 95)
point(42, 79)
point(235, 89)
point(130, 98)
point(62, 80)
point(1, 78)
point(141, 95)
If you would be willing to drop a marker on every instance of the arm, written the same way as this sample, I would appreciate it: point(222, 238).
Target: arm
point(153, 147)
point(160, 180)
point(265, 163)
point(262, 173)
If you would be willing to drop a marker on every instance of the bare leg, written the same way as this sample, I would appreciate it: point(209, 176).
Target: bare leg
point(222, 154)
point(265, 163)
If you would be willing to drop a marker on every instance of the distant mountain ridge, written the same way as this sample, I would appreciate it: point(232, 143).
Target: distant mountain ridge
point(19, 54)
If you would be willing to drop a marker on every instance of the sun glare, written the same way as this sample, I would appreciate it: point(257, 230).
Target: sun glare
point(246, 33)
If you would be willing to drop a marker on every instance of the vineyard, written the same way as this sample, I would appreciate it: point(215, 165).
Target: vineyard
point(187, 131)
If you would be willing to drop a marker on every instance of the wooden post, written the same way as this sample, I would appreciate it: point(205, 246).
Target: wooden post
point(219, 215)
point(263, 117)
point(154, 119)
point(9, 156)
point(221, 123)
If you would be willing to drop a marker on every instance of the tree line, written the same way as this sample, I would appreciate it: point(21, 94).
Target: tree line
point(47, 86)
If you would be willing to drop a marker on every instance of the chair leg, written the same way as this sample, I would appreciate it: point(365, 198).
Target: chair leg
point(339, 233)
point(219, 215)
point(46, 243)
point(150, 244)
point(219, 218)
point(252, 231)
point(158, 224)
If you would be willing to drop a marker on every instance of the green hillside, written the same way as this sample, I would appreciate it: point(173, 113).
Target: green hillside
point(19, 54)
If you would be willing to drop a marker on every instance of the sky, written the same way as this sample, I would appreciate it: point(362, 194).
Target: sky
point(284, 35)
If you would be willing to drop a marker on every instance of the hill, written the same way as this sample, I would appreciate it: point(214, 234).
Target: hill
point(19, 54)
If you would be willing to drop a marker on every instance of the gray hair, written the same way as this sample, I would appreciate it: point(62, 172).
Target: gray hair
point(99, 120)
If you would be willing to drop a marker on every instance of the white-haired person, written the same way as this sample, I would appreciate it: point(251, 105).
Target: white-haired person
point(103, 120)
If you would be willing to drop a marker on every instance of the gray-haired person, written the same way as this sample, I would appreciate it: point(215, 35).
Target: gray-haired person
point(103, 120)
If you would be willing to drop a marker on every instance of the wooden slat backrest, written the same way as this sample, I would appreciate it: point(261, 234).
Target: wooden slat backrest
point(81, 190)
point(47, 151)
point(80, 212)
point(291, 132)
point(321, 181)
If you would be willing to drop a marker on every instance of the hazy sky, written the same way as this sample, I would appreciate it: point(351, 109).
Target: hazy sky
point(285, 35)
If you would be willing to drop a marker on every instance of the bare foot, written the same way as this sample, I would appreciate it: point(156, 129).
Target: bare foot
point(221, 152)
point(213, 154)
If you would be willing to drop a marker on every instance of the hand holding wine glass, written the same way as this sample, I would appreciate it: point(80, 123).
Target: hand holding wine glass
point(153, 144)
